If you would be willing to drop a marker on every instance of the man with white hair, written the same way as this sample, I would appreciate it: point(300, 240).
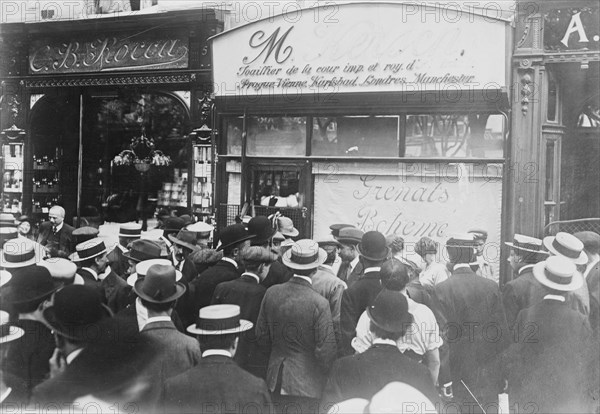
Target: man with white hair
point(57, 235)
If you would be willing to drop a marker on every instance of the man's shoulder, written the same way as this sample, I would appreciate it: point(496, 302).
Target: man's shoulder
point(68, 228)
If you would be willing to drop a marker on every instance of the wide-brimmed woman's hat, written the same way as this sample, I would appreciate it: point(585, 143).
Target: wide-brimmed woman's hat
point(286, 226)
point(373, 246)
point(141, 269)
point(566, 245)
point(75, 313)
point(262, 229)
point(143, 249)
point(232, 235)
point(88, 250)
point(219, 320)
point(303, 255)
point(159, 285)
point(18, 253)
point(390, 311)
point(526, 244)
point(558, 273)
point(8, 332)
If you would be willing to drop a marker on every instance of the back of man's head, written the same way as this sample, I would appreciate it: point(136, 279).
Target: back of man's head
point(394, 275)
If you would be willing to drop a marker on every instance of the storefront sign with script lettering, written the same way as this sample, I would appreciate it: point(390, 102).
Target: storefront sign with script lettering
point(108, 53)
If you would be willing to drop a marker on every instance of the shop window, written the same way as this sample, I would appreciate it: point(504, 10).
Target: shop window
point(272, 136)
point(589, 116)
point(356, 136)
point(552, 99)
point(455, 135)
point(233, 135)
point(276, 187)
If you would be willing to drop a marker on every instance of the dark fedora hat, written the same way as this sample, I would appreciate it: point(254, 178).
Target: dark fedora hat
point(262, 228)
point(373, 246)
point(234, 234)
point(159, 285)
point(29, 285)
point(75, 312)
point(143, 249)
point(173, 225)
point(184, 238)
point(390, 311)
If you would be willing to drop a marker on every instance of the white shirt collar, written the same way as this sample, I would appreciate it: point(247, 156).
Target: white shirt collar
point(230, 260)
point(158, 319)
point(5, 394)
point(252, 275)
point(141, 313)
point(73, 355)
point(60, 226)
point(526, 267)
point(221, 352)
point(372, 269)
point(308, 279)
point(123, 249)
point(92, 271)
point(353, 263)
point(555, 297)
point(384, 341)
point(461, 266)
point(107, 271)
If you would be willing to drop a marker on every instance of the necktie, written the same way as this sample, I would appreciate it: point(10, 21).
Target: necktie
point(343, 271)
point(54, 229)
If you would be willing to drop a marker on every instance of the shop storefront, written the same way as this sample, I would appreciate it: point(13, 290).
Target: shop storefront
point(389, 116)
point(110, 116)
point(556, 118)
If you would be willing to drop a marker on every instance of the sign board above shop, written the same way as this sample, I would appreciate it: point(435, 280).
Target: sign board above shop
point(103, 53)
point(572, 29)
point(362, 47)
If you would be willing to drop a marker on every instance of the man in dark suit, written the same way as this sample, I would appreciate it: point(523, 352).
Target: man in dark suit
point(475, 329)
point(247, 292)
point(128, 232)
point(373, 252)
point(548, 364)
point(25, 295)
point(217, 384)
point(159, 291)
point(295, 327)
point(233, 240)
point(351, 269)
point(55, 234)
point(363, 375)
point(262, 229)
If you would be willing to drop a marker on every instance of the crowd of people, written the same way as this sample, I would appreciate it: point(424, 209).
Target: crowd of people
point(265, 322)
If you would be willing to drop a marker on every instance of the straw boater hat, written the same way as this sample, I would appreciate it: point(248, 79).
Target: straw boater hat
point(8, 233)
point(373, 246)
point(286, 227)
point(389, 311)
point(305, 254)
point(201, 229)
point(7, 220)
point(219, 320)
point(18, 253)
point(558, 273)
point(62, 270)
point(88, 250)
point(159, 285)
point(130, 230)
point(8, 333)
point(143, 249)
point(526, 244)
point(4, 277)
point(142, 268)
point(566, 245)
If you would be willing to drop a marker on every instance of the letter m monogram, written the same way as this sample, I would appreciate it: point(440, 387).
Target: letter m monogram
point(268, 46)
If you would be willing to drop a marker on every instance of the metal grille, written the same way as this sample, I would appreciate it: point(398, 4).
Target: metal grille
point(227, 213)
point(573, 226)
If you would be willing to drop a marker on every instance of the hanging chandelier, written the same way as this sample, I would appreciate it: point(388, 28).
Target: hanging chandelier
point(142, 154)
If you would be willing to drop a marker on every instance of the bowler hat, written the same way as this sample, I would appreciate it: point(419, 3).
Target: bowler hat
point(373, 246)
point(8, 332)
point(590, 240)
point(29, 286)
point(219, 320)
point(142, 268)
point(159, 285)
point(566, 245)
point(286, 226)
point(143, 249)
point(558, 273)
point(527, 244)
point(130, 230)
point(389, 311)
point(19, 253)
point(88, 250)
point(304, 254)
point(335, 228)
point(184, 238)
point(85, 233)
point(8, 233)
point(75, 312)
point(232, 235)
point(262, 228)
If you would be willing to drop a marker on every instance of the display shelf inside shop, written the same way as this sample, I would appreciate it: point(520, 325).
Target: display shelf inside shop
point(174, 194)
point(12, 177)
point(203, 184)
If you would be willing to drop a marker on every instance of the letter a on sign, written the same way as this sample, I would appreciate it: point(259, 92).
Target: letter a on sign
point(575, 25)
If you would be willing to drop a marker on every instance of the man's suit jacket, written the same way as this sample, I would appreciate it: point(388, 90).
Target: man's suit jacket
point(129, 313)
point(248, 295)
point(355, 274)
point(114, 291)
point(363, 375)
point(27, 357)
point(179, 352)
point(593, 282)
point(327, 284)
point(277, 275)
point(355, 301)
point(118, 263)
point(217, 385)
point(203, 287)
point(188, 271)
point(295, 327)
point(61, 243)
point(477, 333)
point(549, 362)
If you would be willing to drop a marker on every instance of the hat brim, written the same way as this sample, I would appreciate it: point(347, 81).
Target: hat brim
point(257, 242)
point(74, 257)
point(396, 326)
point(243, 326)
point(8, 294)
point(347, 240)
point(132, 278)
point(540, 276)
point(243, 239)
point(581, 260)
point(14, 332)
point(5, 277)
point(182, 243)
point(512, 246)
point(287, 260)
point(290, 233)
point(383, 256)
point(130, 236)
point(137, 288)
point(74, 333)
point(10, 265)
